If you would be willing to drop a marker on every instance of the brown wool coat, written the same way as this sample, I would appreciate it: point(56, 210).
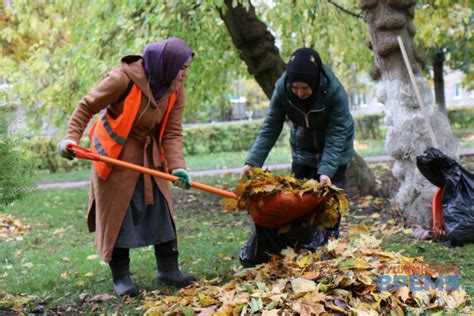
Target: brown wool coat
point(109, 199)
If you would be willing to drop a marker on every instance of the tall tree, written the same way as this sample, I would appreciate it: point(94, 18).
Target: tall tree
point(407, 135)
point(257, 49)
point(445, 31)
point(52, 55)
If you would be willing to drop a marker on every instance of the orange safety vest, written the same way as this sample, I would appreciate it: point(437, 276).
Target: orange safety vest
point(108, 135)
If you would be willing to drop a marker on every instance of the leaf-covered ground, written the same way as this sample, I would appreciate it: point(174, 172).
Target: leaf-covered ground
point(53, 269)
point(339, 278)
point(11, 228)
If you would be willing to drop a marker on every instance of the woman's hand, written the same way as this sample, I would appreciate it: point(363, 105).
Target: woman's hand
point(324, 179)
point(245, 171)
point(62, 149)
point(184, 179)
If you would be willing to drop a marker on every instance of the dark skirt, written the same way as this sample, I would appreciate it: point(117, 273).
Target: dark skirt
point(146, 225)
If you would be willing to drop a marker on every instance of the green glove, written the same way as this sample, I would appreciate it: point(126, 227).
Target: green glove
point(184, 179)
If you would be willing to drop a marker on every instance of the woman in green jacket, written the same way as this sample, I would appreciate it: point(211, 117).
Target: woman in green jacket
point(321, 139)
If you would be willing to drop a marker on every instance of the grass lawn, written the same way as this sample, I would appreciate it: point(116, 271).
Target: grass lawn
point(56, 259)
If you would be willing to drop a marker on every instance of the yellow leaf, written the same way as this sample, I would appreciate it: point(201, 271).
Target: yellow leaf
point(269, 188)
point(289, 254)
point(359, 229)
point(92, 257)
point(278, 298)
point(230, 204)
point(302, 285)
point(408, 231)
point(457, 299)
point(364, 279)
point(337, 308)
point(361, 263)
point(312, 275)
point(284, 229)
point(279, 286)
point(332, 244)
point(304, 261)
point(403, 293)
point(58, 231)
point(315, 297)
point(206, 300)
point(308, 308)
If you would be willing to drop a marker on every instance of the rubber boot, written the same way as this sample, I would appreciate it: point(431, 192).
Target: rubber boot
point(168, 268)
point(119, 265)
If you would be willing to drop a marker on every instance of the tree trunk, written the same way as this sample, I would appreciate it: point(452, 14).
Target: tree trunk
point(257, 49)
point(407, 135)
point(438, 77)
point(255, 43)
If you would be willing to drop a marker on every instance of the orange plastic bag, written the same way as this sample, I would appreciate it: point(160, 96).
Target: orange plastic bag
point(282, 207)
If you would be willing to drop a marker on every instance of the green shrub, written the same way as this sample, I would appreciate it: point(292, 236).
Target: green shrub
point(461, 118)
point(369, 126)
point(16, 172)
point(42, 149)
point(222, 137)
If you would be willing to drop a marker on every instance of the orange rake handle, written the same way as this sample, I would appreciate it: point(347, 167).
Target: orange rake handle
point(438, 229)
point(83, 153)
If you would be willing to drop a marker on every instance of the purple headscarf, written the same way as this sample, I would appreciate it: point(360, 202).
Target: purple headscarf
point(162, 62)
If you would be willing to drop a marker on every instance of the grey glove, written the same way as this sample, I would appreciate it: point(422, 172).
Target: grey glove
point(62, 149)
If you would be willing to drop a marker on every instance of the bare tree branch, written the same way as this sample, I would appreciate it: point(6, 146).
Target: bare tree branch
point(357, 15)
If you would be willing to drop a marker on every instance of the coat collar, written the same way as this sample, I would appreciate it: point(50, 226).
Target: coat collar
point(133, 67)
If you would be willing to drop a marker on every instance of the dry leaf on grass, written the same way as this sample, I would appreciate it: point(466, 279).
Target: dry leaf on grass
point(11, 229)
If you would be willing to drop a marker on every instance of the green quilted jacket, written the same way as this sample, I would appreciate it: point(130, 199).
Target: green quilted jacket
point(321, 137)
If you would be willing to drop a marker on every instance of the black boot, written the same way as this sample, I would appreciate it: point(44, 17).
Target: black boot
point(123, 284)
point(168, 269)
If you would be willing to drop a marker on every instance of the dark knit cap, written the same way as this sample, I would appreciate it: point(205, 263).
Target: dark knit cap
point(305, 66)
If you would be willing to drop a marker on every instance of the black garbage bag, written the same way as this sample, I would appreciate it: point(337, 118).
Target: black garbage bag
point(263, 241)
point(458, 194)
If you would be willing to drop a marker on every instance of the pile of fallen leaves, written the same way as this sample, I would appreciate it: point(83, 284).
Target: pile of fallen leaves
point(261, 184)
point(11, 228)
point(339, 278)
point(16, 303)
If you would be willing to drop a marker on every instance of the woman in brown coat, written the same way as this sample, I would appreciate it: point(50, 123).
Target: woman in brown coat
point(126, 209)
